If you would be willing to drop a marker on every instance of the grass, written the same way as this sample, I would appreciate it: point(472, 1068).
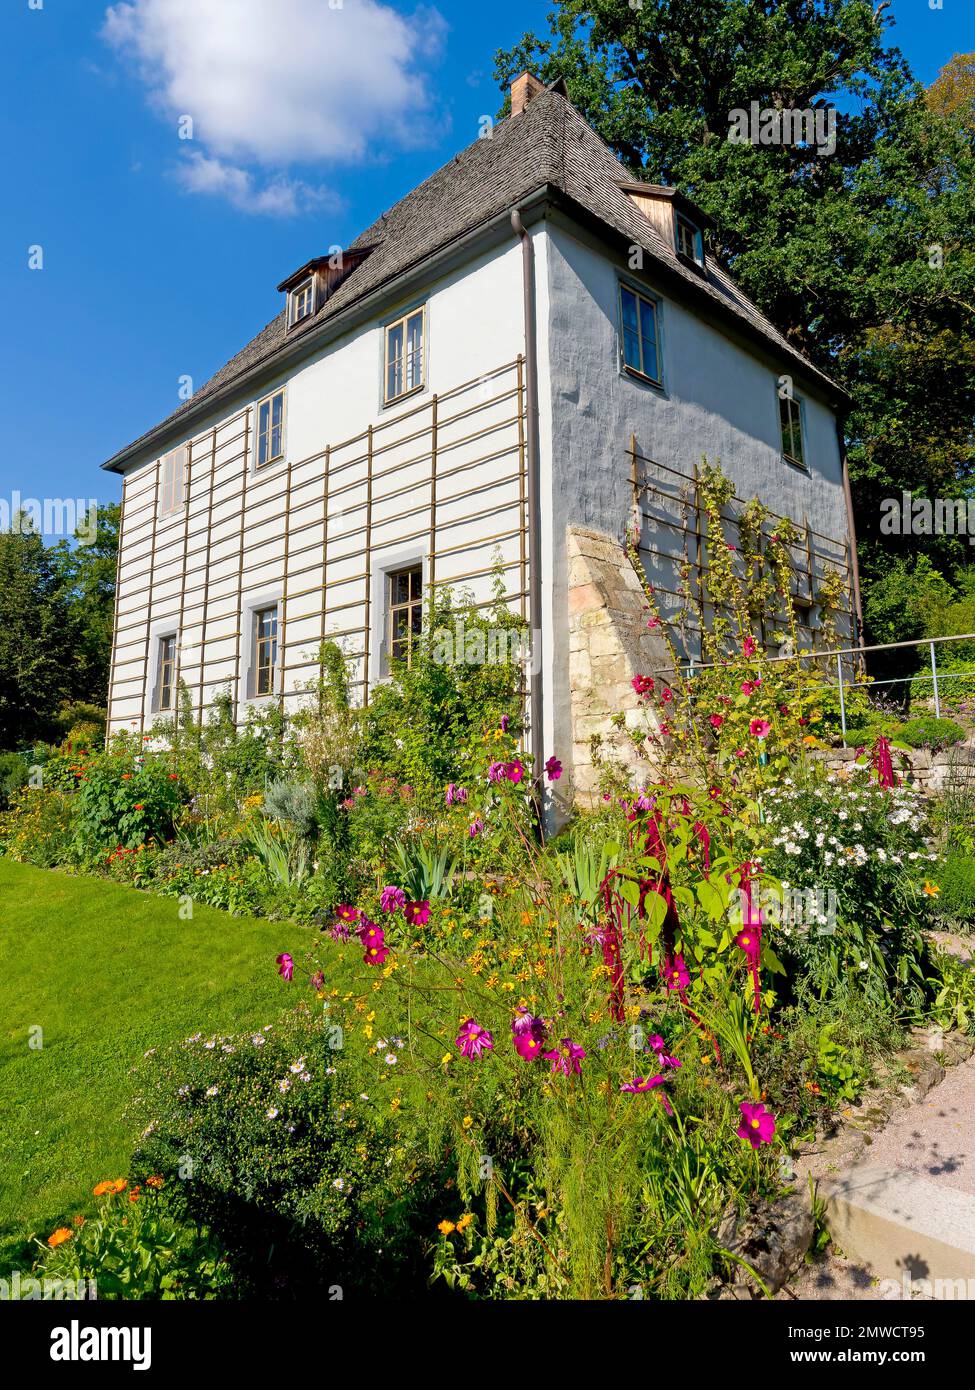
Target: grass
point(105, 972)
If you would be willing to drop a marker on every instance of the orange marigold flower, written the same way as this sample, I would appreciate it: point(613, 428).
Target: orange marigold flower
point(102, 1188)
point(155, 1181)
point(445, 1227)
point(59, 1236)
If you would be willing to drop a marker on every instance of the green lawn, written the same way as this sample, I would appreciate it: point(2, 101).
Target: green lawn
point(106, 972)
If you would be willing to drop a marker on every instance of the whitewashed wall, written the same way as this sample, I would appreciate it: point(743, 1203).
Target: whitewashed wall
point(229, 550)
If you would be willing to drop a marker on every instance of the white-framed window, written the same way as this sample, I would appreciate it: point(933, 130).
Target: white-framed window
point(638, 332)
point(172, 480)
point(404, 355)
point(270, 429)
point(404, 612)
point(265, 645)
point(687, 234)
point(166, 672)
point(301, 301)
point(790, 427)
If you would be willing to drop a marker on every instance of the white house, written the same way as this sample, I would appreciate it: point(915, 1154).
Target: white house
point(506, 363)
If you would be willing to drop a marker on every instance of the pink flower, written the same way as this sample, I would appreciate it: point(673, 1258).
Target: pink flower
point(666, 695)
point(456, 795)
point(473, 1039)
point(643, 685)
point(370, 934)
point(749, 941)
point(566, 1058)
point(715, 720)
point(496, 772)
point(748, 646)
point(528, 1033)
point(345, 913)
point(676, 975)
point(375, 955)
point(505, 721)
point(417, 914)
point(883, 763)
point(757, 1125)
point(760, 728)
point(652, 623)
point(476, 828)
point(747, 687)
point(514, 771)
point(639, 1085)
point(553, 769)
point(391, 898)
point(286, 966)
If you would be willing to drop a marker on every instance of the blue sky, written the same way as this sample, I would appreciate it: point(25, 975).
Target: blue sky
point(153, 267)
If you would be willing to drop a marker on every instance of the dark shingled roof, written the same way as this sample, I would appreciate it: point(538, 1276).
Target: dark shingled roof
point(547, 144)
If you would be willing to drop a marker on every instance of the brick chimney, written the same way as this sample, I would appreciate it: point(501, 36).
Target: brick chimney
point(523, 90)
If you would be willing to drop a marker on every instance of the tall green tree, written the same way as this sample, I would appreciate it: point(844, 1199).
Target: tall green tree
point(36, 659)
point(865, 256)
point(86, 572)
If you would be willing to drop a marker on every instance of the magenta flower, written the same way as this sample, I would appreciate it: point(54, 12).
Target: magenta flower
point(370, 934)
point(883, 763)
point(748, 646)
point(760, 728)
point(346, 913)
point(496, 772)
point(657, 1043)
point(476, 827)
point(643, 685)
point(554, 769)
point(391, 898)
point(514, 771)
point(528, 1046)
point(528, 1033)
point(473, 1039)
point(417, 914)
point(286, 966)
point(640, 1085)
point(676, 975)
point(505, 721)
point(318, 980)
point(375, 955)
point(749, 940)
point(715, 720)
point(566, 1058)
point(757, 1125)
point(456, 795)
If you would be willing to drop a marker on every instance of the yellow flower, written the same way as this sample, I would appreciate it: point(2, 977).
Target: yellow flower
point(465, 1221)
point(467, 1122)
point(445, 1228)
point(59, 1236)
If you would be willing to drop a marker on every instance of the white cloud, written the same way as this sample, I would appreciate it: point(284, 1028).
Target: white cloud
point(273, 83)
point(281, 196)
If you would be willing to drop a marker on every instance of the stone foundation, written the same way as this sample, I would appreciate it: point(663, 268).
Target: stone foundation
point(609, 644)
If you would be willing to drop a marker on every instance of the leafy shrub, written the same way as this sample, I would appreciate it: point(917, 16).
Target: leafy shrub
point(13, 774)
point(956, 880)
point(927, 732)
point(268, 1140)
point(134, 1249)
point(956, 680)
point(124, 801)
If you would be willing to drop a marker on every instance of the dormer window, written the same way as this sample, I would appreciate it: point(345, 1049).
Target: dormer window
point(302, 302)
point(690, 243)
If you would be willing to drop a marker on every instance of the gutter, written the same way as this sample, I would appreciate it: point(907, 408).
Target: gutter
point(534, 512)
point(851, 530)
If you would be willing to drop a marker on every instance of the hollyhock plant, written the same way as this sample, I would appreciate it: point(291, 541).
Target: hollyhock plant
point(417, 914)
point(392, 898)
point(473, 1039)
point(286, 966)
point(748, 647)
point(757, 1124)
point(760, 728)
point(566, 1058)
point(643, 685)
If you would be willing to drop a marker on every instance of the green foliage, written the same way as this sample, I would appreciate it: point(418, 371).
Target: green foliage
point(265, 1140)
point(927, 732)
point(463, 676)
point(13, 774)
point(956, 880)
point(134, 1249)
point(124, 801)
